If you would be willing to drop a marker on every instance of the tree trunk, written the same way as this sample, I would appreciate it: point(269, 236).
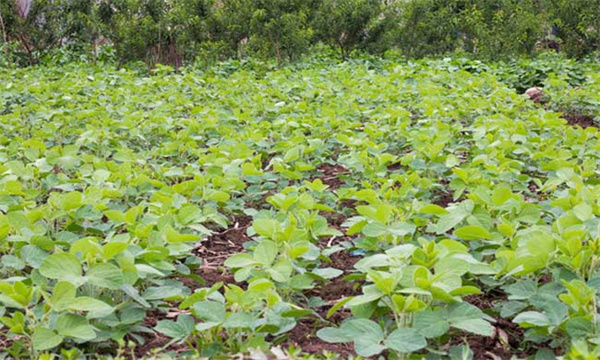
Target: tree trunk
point(95, 51)
point(23, 42)
point(277, 53)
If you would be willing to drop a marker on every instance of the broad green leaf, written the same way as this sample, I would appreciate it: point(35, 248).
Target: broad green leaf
point(61, 266)
point(467, 317)
point(333, 335)
point(238, 321)
point(579, 327)
point(454, 217)
point(105, 275)
point(529, 318)
point(405, 340)
point(583, 211)
point(173, 236)
point(75, 326)
point(44, 339)
point(266, 252)
point(180, 329)
point(240, 260)
point(473, 232)
point(430, 324)
point(266, 227)
point(84, 303)
point(62, 295)
point(212, 313)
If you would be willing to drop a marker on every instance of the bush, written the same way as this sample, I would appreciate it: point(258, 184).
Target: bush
point(346, 24)
point(577, 23)
point(486, 29)
point(205, 31)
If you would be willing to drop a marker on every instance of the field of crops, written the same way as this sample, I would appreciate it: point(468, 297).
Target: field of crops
point(403, 210)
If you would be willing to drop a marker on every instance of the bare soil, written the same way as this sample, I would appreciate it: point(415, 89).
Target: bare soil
point(218, 247)
point(505, 341)
point(578, 119)
point(330, 175)
point(304, 336)
point(154, 341)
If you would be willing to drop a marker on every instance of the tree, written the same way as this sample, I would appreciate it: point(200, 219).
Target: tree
point(281, 27)
point(577, 23)
point(344, 24)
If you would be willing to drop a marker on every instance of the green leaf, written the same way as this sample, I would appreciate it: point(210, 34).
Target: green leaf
point(529, 318)
point(75, 326)
point(473, 232)
point(61, 266)
point(364, 299)
point(173, 236)
point(333, 335)
point(327, 273)
point(462, 352)
point(105, 275)
point(161, 292)
point(367, 336)
point(579, 327)
point(62, 295)
point(583, 211)
point(454, 216)
point(374, 229)
point(266, 252)
point(266, 227)
point(430, 324)
point(211, 312)
point(72, 200)
point(44, 339)
point(337, 306)
point(240, 260)
point(361, 327)
point(530, 214)
point(112, 249)
point(433, 209)
point(219, 196)
point(281, 271)
point(239, 321)
point(84, 303)
point(180, 329)
point(501, 194)
point(467, 317)
point(405, 340)
point(367, 346)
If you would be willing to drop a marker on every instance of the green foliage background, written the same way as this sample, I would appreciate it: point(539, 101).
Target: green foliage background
point(178, 32)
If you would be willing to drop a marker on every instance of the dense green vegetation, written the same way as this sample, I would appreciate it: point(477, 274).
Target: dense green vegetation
point(402, 209)
point(178, 32)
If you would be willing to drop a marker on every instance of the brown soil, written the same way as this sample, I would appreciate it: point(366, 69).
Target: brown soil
point(331, 175)
point(462, 156)
point(154, 341)
point(394, 167)
point(334, 219)
point(533, 188)
point(304, 336)
point(5, 341)
point(213, 275)
point(578, 119)
point(444, 199)
point(335, 290)
point(344, 261)
point(218, 247)
point(505, 341)
point(348, 203)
